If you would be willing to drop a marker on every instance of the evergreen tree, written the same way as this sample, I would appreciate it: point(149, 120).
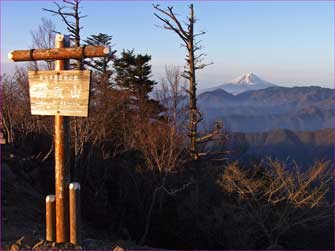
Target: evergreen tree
point(101, 65)
point(133, 73)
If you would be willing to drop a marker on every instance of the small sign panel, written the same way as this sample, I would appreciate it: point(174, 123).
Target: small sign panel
point(63, 93)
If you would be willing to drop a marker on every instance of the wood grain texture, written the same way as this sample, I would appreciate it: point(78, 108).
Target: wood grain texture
point(63, 93)
point(62, 159)
point(50, 218)
point(74, 206)
point(88, 51)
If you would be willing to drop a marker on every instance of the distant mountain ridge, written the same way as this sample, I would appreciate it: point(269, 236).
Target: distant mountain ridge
point(295, 108)
point(305, 147)
point(243, 83)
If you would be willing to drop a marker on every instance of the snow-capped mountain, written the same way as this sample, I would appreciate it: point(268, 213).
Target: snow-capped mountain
point(246, 82)
point(249, 79)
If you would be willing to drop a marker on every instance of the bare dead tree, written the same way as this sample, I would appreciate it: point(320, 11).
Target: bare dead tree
point(43, 38)
point(70, 14)
point(173, 78)
point(194, 61)
point(172, 95)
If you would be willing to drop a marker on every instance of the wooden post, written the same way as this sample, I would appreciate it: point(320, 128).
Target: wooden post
point(88, 51)
point(2, 139)
point(74, 199)
point(62, 161)
point(50, 222)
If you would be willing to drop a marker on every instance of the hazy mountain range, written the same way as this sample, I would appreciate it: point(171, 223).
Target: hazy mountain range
point(268, 106)
point(305, 147)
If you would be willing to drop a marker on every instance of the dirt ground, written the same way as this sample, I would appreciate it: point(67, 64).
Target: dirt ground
point(23, 209)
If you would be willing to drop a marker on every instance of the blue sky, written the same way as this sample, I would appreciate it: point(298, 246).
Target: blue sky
point(290, 43)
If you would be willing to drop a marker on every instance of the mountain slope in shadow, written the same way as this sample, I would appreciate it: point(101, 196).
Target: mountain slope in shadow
point(304, 147)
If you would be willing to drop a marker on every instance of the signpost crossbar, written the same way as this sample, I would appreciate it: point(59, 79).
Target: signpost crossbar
point(89, 51)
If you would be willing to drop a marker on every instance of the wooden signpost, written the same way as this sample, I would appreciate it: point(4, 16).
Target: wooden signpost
point(63, 93)
point(60, 93)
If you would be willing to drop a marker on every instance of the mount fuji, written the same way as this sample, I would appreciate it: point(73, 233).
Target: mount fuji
point(246, 82)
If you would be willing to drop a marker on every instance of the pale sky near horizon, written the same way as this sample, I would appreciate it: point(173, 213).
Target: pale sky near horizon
point(290, 43)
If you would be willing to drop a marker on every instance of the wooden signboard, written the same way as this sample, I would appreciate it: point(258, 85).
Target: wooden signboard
point(63, 92)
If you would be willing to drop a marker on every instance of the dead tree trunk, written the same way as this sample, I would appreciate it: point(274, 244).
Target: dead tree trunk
point(193, 63)
point(72, 21)
point(192, 87)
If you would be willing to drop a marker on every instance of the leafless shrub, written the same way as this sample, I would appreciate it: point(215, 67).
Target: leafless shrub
point(43, 38)
point(16, 118)
point(172, 96)
point(277, 198)
point(161, 146)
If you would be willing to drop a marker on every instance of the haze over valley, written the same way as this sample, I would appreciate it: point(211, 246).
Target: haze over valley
point(253, 105)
